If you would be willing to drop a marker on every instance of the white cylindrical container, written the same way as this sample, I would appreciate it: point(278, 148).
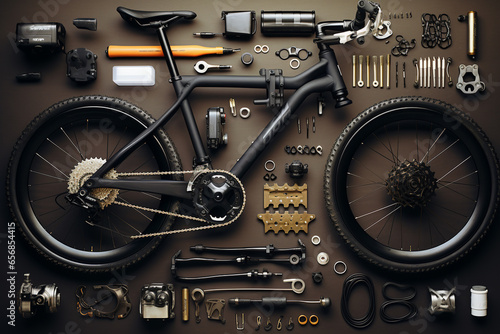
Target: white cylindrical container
point(478, 300)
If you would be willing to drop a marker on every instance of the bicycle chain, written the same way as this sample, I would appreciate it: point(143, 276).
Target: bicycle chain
point(178, 215)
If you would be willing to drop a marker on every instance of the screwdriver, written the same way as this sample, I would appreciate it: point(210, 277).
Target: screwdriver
point(206, 34)
point(114, 51)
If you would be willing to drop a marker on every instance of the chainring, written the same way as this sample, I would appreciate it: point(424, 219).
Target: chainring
point(218, 197)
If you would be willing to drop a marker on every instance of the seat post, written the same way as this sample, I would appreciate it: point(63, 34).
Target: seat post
point(167, 52)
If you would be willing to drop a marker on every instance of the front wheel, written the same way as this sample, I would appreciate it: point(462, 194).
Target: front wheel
point(412, 184)
point(58, 151)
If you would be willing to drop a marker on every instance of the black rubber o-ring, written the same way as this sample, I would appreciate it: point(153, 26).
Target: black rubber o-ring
point(247, 58)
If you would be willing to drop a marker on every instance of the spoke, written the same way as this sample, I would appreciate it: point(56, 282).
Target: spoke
point(47, 175)
point(432, 146)
point(143, 164)
point(106, 228)
point(460, 194)
point(44, 198)
point(377, 152)
point(450, 210)
point(64, 151)
point(447, 223)
point(49, 212)
point(366, 195)
point(451, 170)
point(393, 217)
point(368, 169)
point(375, 211)
point(387, 215)
point(361, 177)
point(138, 211)
point(365, 185)
point(72, 143)
point(52, 165)
point(43, 184)
point(449, 183)
point(119, 141)
point(397, 150)
point(394, 160)
point(416, 136)
point(446, 149)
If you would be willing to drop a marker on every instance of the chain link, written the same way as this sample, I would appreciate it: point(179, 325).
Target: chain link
point(178, 215)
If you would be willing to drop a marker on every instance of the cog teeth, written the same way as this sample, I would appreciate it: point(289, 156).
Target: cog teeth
point(83, 170)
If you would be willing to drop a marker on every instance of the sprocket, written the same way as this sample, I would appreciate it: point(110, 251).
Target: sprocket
point(83, 171)
point(411, 184)
point(218, 196)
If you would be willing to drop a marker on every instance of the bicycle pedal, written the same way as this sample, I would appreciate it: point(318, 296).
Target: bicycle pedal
point(286, 222)
point(285, 195)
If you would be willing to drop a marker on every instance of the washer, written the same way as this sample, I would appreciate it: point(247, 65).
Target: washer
point(244, 112)
point(264, 49)
point(323, 258)
point(315, 240)
point(294, 63)
point(302, 320)
point(272, 163)
point(257, 48)
point(342, 263)
point(313, 319)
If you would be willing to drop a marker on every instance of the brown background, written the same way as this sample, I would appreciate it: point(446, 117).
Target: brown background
point(19, 103)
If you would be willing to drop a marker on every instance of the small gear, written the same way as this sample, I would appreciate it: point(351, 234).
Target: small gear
point(83, 171)
point(411, 184)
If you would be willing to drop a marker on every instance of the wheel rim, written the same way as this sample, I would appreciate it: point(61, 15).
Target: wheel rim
point(59, 229)
point(452, 215)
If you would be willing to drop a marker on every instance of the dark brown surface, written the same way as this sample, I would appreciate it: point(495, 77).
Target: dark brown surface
point(21, 102)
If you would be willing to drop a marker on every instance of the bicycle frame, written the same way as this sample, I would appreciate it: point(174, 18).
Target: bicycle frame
point(321, 77)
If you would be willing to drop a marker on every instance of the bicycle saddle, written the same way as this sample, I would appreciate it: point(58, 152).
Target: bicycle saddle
point(148, 18)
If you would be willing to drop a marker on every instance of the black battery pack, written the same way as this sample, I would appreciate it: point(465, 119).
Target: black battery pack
point(40, 39)
point(239, 24)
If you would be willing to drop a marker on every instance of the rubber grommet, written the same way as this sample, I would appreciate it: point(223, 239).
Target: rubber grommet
point(247, 58)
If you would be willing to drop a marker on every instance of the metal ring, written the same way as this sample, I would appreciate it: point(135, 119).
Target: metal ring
point(315, 240)
point(300, 149)
point(323, 258)
point(247, 58)
point(337, 271)
point(257, 48)
point(302, 319)
point(319, 149)
point(294, 63)
point(197, 294)
point(298, 285)
point(264, 49)
point(273, 165)
point(244, 112)
point(313, 319)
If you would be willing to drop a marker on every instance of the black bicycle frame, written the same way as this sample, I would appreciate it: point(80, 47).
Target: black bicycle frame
point(321, 77)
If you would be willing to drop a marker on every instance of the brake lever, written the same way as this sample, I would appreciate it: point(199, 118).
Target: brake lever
point(375, 26)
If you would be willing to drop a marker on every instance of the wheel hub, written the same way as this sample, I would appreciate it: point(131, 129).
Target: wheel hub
point(83, 171)
point(217, 196)
point(411, 184)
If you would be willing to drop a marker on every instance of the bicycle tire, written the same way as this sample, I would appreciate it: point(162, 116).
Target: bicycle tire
point(369, 136)
point(71, 131)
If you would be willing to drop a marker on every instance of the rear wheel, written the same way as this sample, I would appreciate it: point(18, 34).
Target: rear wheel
point(58, 151)
point(412, 184)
